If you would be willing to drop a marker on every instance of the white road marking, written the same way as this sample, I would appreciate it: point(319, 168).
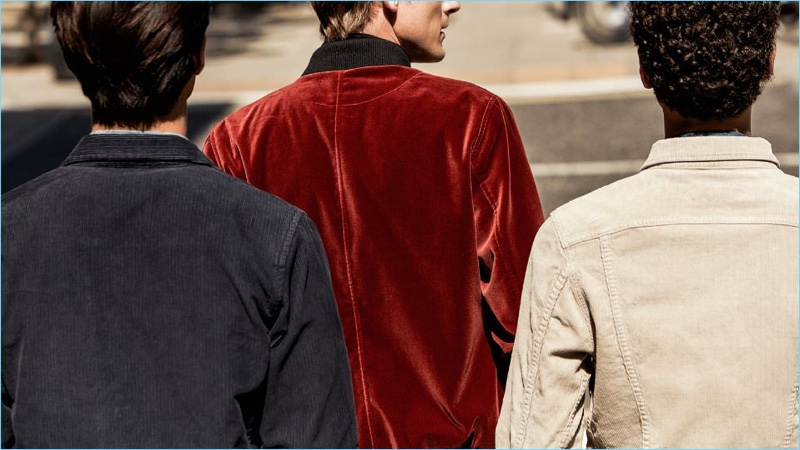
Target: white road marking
point(573, 89)
point(586, 168)
point(787, 159)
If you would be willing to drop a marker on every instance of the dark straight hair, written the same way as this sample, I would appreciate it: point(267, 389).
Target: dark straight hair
point(132, 59)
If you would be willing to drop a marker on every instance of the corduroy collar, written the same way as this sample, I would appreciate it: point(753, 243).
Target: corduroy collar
point(138, 147)
point(708, 149)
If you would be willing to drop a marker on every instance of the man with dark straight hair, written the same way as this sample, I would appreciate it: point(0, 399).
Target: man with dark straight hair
point(150, 300)
point(661, 310)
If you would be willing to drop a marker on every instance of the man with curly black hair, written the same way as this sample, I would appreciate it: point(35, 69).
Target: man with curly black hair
point(706, 63)
point(661, 310)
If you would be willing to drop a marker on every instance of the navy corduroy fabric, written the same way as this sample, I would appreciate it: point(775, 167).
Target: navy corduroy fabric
point(150, 300)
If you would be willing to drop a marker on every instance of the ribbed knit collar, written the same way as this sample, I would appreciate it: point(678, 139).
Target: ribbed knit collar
point(358, 50)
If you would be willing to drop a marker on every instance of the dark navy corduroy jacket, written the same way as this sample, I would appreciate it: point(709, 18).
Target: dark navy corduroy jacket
point(150, 300)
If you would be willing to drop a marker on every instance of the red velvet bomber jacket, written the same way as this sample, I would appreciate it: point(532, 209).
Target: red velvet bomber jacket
point(426, 205)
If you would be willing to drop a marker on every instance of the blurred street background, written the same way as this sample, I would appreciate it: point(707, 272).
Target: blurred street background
point(583, 115)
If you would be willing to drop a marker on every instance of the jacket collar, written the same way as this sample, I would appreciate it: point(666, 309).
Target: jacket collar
point(358, 50)
point(699, 151)
point(136, 147)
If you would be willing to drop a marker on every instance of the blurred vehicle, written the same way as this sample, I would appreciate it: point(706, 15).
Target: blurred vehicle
point(29, 30)
point(789, 16)
point(608, 22)
point(600, 22)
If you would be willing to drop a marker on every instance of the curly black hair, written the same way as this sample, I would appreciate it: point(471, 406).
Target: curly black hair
point(705, 60)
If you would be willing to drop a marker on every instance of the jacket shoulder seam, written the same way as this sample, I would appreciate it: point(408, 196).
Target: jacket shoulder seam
point(571, 241)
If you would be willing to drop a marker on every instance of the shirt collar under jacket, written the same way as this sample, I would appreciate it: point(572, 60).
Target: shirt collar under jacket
point(358, 50)
point(720, 150)
point(120, 148)
point(139, 132)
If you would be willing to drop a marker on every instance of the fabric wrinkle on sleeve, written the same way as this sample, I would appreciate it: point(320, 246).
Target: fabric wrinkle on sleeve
point(209, 149)
point(551, 362)
point(309, 400)
point(507, 215)
point(223, 151)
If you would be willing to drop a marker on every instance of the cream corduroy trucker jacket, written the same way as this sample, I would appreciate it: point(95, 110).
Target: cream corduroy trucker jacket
point(661, 310)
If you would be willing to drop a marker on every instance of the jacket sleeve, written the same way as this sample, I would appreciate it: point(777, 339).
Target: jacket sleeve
point(552, 361)
point(309, 399)
point(224, 152)
point(8, 426)
point(507, 214)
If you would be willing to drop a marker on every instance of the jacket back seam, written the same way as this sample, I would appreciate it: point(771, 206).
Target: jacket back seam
point(356, 317)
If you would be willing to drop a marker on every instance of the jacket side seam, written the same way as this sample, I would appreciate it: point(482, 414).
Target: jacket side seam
point(538, 343)
point(580, 299)
point(791, 420)
point(356, 317)
point(567, 437)
point(498, 235)
point(622, 339)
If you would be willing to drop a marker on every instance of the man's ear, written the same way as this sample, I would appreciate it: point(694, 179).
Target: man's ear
point(645, 78)
point(391, 6)
point(201, 58)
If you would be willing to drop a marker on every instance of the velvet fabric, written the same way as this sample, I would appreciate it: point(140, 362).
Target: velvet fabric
point(425, 201)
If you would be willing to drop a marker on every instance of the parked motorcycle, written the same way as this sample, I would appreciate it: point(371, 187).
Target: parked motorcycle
point(789, 19)
point(600, 22)
point(608, 22)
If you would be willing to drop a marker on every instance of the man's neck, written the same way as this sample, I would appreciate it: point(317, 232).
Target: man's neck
point(379, 26)
point(174, 122)
point(173, 126)
point(675, 125)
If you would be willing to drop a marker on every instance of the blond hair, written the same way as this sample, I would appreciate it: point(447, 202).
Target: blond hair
point(338, 20)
